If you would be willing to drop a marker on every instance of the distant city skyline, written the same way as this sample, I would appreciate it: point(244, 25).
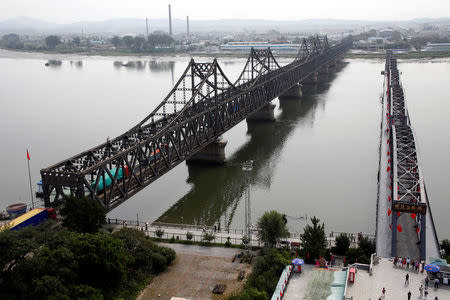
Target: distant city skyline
point(84, 10)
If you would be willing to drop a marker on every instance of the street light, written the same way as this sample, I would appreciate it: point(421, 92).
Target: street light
point(247, 167)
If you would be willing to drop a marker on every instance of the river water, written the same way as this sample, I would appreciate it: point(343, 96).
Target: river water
point(320, 157)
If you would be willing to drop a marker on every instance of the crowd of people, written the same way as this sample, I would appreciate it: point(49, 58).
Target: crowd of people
point(409, 264)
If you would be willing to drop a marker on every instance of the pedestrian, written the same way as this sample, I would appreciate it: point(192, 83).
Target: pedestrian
point(383, 293)
point(426, 292)
point(395, 261)
point(436, 283)
point(436, 298)
point(426, 282)
point(408, 262)
point(409, 295)
point(215, 228)
point(146, 226)
point(421, 290)
point(407, 279)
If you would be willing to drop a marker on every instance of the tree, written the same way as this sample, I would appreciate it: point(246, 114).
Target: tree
point(272, 228)
point(76, 41)
point(160, 39)
point(342, 244)
point(52, 41)
point(12, 41)
point(138, 43)
point(367, 246)
point(128, 40)
point(116, 41)
point(82, 214)
point(313, 239)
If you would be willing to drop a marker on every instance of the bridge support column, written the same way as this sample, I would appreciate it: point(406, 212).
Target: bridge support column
point(264, 114)
point(323, 73)
point(293, 92)
point(213, 153)
point(309, 85)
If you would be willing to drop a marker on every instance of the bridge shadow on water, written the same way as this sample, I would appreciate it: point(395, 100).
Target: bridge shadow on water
point(217, 190)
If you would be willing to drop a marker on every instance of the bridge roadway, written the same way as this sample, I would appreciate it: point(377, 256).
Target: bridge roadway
point(405, 227)
point(202, 106)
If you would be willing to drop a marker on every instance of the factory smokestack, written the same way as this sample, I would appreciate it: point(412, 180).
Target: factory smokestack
point(146, 27)
point(187, 26)
point(170, 21)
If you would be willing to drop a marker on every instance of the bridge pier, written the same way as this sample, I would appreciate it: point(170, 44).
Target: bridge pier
point(293, 92)
point(309, 84)
point(323, 73)
point(264, 114)
point(213, 153)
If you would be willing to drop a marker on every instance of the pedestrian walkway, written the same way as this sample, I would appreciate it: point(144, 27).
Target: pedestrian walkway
point(385, 275)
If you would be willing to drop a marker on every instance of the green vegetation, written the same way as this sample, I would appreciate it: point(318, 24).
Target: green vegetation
point(77, 261)
point(11, 41)
point(272, 227)
point(313, 240)
point(342, 244)
point(52, 41)
point(83, 215)
point(46, 262)
point(263, 280)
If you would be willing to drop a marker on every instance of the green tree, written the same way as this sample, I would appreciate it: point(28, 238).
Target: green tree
point(12, 41)
point(138, 43)
point(117, 42)
point(52, 41)
point(272, 228)
point(160, 39)
point(367, 246)
point(82, 214)
point(76, 41)
point(342, 244)
point(313, 239)
point(128, 40)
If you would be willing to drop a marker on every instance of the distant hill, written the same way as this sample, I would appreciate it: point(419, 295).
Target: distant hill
point(27, 25)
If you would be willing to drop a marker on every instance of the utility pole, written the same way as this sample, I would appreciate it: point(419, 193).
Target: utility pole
point(247, 167)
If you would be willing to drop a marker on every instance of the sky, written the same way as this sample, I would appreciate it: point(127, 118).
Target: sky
point(69, 11)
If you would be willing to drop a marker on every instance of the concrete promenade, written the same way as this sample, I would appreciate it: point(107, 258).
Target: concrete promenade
point(385, 275)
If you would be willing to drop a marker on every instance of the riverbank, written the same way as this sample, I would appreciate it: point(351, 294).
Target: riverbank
point(118, 53)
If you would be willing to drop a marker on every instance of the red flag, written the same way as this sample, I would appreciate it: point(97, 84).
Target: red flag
point(417, 229)
point(398, 214)
point(307, 255)
point(413, 215)
point(389, 212)
point(389, 153)
point(388, 169)
point(399, 228)
point(356, 260)
point(344, 258)
point(389, 197)
point(390, 226)
point(320, 256)
point(28, 155)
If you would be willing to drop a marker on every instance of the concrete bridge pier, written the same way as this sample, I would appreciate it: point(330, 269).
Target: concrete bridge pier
point(293, 92)
point(309, 85)
point(323, 73)
point(213, 153)
point(264, 114)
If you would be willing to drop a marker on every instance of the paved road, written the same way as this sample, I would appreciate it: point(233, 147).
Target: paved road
point(202, 250)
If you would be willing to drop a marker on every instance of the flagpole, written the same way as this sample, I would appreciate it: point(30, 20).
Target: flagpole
point(29, 177)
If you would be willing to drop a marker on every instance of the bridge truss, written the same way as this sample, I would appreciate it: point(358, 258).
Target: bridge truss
point(203, 105)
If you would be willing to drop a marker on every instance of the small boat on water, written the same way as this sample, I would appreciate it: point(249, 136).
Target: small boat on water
point(15, 210)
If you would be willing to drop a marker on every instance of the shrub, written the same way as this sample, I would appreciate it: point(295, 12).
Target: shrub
point(228, 242)
point(159, 233)
point(342, 244)
point(189, 236)
point(208, 237)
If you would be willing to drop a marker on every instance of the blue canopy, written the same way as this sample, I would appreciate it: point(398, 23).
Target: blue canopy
point(297, 262)
point(432, 268)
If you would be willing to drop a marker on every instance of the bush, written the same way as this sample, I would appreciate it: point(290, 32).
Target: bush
point(172, 239)
point(82, 214)
point(208, 237)
point(159, 233)
point(228, 242)
point(189, 236)
point(367, 246)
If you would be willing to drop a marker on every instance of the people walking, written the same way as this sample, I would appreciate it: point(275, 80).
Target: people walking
point(426, 292)
point(409, 295)
point(421, 290)
point(426, 281)
point(407, 279)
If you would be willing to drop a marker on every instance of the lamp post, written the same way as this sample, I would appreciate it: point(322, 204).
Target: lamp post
point(247, 167)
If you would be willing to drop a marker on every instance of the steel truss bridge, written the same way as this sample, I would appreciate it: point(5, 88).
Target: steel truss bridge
point(202, 106)
point(407, 183)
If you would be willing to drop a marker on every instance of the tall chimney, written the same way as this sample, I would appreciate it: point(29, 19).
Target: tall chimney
point(170, 21)
point(146, 27)
point(187, 26)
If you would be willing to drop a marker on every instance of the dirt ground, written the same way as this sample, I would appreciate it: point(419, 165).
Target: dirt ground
point(193, 276)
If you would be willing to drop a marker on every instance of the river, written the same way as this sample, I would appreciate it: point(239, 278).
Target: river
point(320, 157)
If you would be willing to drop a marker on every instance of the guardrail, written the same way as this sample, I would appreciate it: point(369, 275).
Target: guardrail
point(278, 294)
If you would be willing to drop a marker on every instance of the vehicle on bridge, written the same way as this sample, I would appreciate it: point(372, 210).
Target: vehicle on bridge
point(123, 172)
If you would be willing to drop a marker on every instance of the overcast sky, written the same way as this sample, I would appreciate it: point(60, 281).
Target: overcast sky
point(68, 11)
